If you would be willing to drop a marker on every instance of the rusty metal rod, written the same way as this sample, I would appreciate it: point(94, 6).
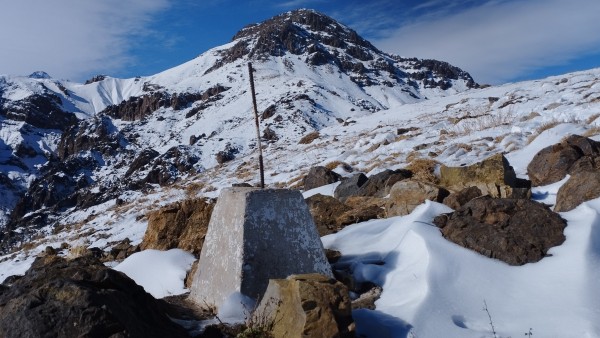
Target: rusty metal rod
point(260, 154)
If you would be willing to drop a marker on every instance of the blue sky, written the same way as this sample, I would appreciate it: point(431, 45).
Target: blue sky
point(496, 41)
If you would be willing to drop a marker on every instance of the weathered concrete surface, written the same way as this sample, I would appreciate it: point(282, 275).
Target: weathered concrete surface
point(256, 235)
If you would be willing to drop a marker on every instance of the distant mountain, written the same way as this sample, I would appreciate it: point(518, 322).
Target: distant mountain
point(67, 145)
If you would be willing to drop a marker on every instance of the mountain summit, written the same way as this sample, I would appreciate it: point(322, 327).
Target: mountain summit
point(320, 40)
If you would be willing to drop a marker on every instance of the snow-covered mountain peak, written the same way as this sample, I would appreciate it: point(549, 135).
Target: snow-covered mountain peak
point(302, 31)
point(321, 41)
point(39, 75)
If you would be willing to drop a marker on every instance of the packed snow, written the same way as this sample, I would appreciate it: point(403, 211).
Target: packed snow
point(161, 273)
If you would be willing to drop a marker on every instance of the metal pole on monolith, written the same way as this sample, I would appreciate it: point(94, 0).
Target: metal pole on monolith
point(260, 155)
point(255, 235)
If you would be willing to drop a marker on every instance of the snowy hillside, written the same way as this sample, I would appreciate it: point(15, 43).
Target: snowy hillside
point(145, 142)
point(310, 71)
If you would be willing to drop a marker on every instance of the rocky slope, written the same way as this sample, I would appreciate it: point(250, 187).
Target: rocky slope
point(67, 145)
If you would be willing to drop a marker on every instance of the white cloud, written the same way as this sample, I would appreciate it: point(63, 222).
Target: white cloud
point(296, 3)
point(71, 38)
point(500, 41)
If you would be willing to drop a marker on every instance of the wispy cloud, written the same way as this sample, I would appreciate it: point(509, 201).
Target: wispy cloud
point(71, 38)
point(297, 3)
point(499, 40)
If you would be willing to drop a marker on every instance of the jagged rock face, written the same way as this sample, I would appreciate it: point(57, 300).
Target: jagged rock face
point(42, 111)
point(136, 108)
point(167, 167)
point(80, 297)
point(287, 32)
point(321, 40)
point(98, 133)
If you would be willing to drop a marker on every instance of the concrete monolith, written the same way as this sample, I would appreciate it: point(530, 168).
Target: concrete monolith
point(255, 235)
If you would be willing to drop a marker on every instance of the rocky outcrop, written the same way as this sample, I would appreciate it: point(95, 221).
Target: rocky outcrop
point(553, 163)
point(494, 176)
point(406, 195)
point(80, 298)
point(97, 134)
point(516, 231)
point(227, 154)
point(136, 108)
point(319, 176)
point(167, 167)
point(582, 186)
point(180, 225)
point(39, 110)
point(306, 306)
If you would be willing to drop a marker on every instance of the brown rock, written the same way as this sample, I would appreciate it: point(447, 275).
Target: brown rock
point(180, 225)
point(379, 185)
point(325, 210)
point(360, 214)
point(457, 199)
point(493, 176)
point(406, 195)
point(553, 163)
point(307, 306)
point(580, 187)
point(319, 176)
point(363, 209)
point(80, 298)
point(357, 202)
point(516, 231)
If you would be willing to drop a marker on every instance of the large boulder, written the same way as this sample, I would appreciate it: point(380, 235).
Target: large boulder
point(80, 298)
point(406, 195)
point(580, 187)
point(553, 163)
point(516, 231)
point(379, 185)
point(494, 176)
point(307, 306)
point(180, 225)
point(349, 187)
point(320, 176)
point(325, 211)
